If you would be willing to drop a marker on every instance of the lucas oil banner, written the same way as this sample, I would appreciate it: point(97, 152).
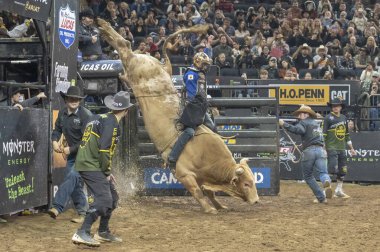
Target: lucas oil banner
point(317, 95)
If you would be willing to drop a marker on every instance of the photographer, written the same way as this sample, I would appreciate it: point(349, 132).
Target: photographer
point(320, 60)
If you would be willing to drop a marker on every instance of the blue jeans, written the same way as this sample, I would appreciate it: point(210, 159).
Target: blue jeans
point(72, 186)
point(315, 159)
point(374, 113)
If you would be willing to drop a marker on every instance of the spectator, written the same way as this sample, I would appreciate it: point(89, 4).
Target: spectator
point(221, 61)
point(375, 103)
point(230, 30)
point(261, 60)
point(266, 30)
point(219, 19)
point(140, 7)
point(263, 75)
point(125, 33)
point(142, 48)
point(371, 47)
point(272, 69)
point(139, 29)
point(222, 48)
point(151, 21)
point(362, 59)
point(308, 76)
point(114, 19)
point(290, 75)
point(18, 100)
point(303, 60)
point(106, 14)
point(151, 45)
point(315, 39)
point(295, 11)
point(343, 20)
point(323, 5)
point(187, 50)
point(174, 6)
point(346, 65)
point(239, 17)
point(156, 55)
point(203, 19)
point(278, 11)
point(332, 34)
point(158, 6)
point(320, 60)
point(244, 60)
point(279, 47)
point(235, 51)
point(21, 30)
point(242, 30)
point(329, 71)
point(296, 38)
point(360, 20)
point(283, 70)
point(366, 77)
point(272, 20)
point(352, 47)
point(88, 36)
point(123, 10)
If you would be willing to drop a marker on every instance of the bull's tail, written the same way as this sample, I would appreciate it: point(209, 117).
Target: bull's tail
point(194, 29)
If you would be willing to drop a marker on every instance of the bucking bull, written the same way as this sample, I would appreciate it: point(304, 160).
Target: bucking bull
point(205, 165)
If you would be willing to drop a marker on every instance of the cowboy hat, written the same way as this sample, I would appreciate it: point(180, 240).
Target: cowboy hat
point(336, 101)
point(305, 46)
point(73, 91)
point(88, 12)
point(321, 47)
point(305, 109)
point(120, 101)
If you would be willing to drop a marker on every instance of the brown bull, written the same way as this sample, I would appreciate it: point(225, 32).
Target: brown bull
point(205, 165)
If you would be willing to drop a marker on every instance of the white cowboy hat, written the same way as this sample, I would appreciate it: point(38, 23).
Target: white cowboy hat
point(321, 47)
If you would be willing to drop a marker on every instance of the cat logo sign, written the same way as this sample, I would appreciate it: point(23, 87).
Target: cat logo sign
point(302, 94)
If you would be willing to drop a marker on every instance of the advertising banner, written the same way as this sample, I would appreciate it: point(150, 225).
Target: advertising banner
point(158, 178)
point(23, 159)
point(64, 47)
point(316, 95)
point(36, 9)
point(365, 166)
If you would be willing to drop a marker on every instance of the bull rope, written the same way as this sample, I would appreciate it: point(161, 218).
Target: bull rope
point(293, 159)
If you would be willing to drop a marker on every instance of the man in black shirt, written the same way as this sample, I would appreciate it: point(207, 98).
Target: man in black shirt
point(71, 123)
point(314, 155)
point(302, 58)
point(89, 37)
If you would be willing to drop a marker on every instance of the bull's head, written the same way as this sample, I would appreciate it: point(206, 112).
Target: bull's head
point(244, 183)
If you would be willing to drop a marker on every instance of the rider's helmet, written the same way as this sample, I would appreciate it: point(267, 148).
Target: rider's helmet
point(202, 61)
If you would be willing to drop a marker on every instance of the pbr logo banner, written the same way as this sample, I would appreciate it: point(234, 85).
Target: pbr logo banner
point(36, 9)
point(67, 26)
point(64, 48)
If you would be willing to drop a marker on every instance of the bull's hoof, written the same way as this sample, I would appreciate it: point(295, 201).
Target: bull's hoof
point(211, 211)
point(222, 207)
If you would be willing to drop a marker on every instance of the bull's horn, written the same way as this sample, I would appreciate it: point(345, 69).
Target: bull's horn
point(239, 171)
point(244, 161)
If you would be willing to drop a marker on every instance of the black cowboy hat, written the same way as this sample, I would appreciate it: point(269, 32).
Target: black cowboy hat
point(87, 12)
point(336, 101)
point(73, 91)
point(120, 101)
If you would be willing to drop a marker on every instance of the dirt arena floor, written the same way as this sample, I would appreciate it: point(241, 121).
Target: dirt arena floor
point(289, 222)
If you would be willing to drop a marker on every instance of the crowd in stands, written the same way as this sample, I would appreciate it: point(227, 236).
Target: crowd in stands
point(290, 39)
